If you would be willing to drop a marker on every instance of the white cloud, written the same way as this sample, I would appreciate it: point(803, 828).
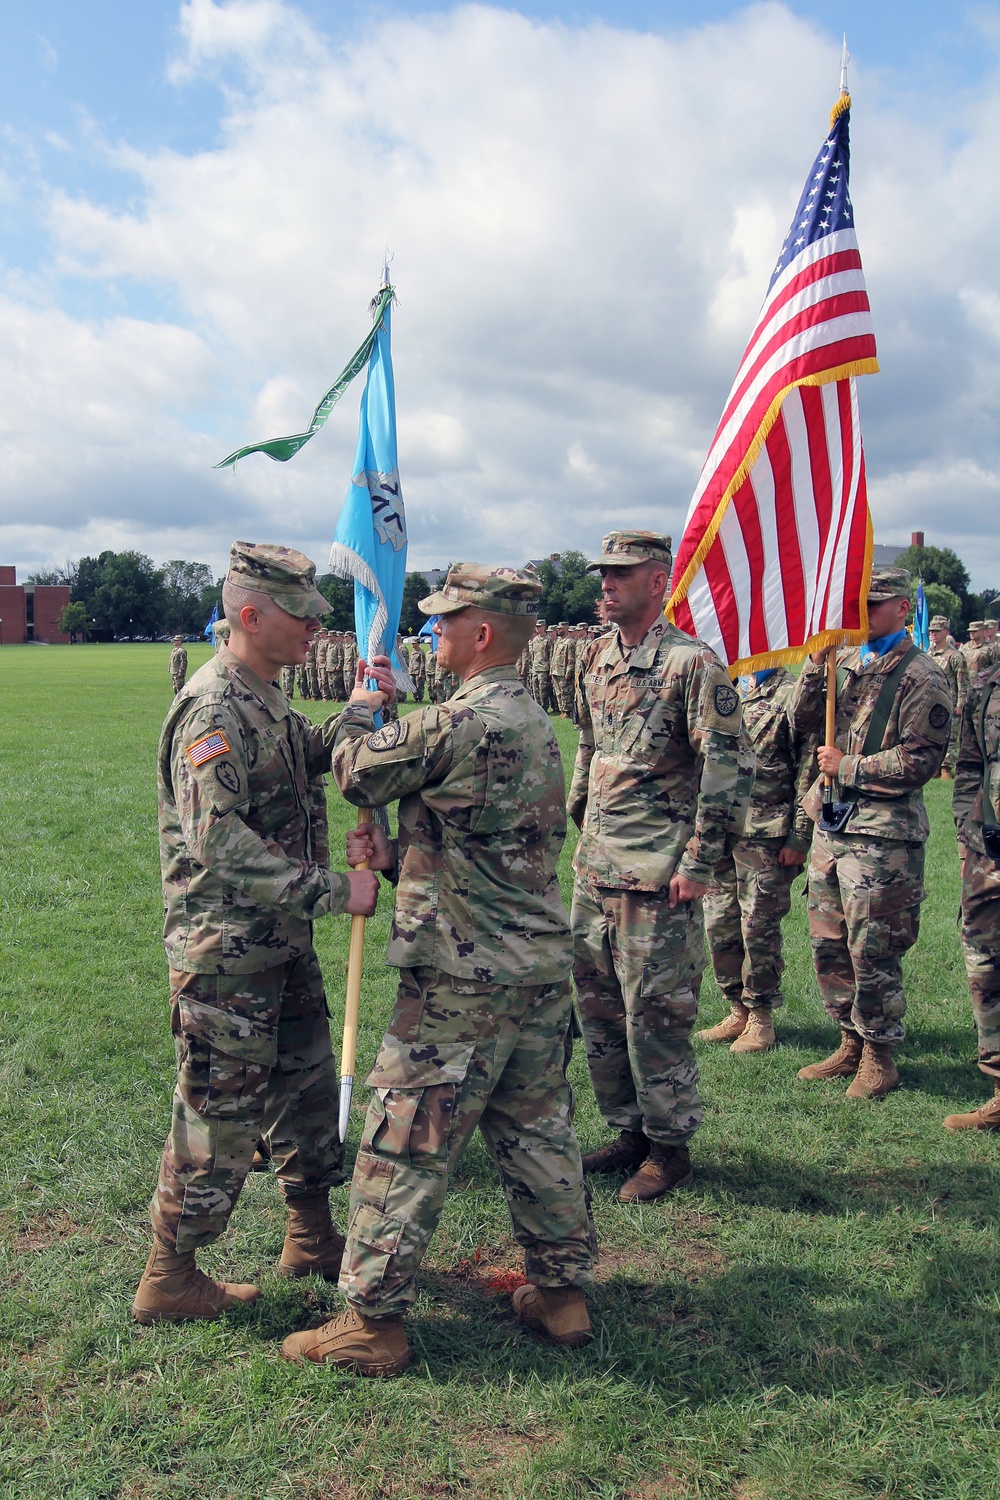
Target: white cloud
point(583, 220)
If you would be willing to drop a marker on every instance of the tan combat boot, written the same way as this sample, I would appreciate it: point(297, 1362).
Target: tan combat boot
point(877, 1074)
point(665, 1168)
point(946, 775)
point(312, 1246)
point(559, 1312)
point(365, 1346)
point(626, 1152)
point(758, 1035)
point(728, 1030)
point(986, 1117)
point(172, 1289)
point(840, 1064)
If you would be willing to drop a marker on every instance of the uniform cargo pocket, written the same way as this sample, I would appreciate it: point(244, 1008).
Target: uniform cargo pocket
point(669, 1003)
point(225, 1059)
point(893, 920)
point(417, 1086)
point(376, 1230)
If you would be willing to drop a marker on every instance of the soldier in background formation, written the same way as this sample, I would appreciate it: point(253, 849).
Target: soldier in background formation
point(220, 634)
point(662, 777)
point(288, 682)
point(416, 665)
point(894, 715)
point(976, 808)
point(349, 669)
point(561, 670)
point(178, 664)
point(540, 657)
point(955, 667)
point(483, 1011)
point(751, 888)
point(242, 807)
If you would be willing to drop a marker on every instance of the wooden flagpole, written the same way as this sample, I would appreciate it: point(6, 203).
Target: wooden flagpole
point(352, 1003)
point(831, 704)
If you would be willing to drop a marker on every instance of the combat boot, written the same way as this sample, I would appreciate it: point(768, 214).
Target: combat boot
point(758, 1035)
point(312, 1246)
point(665, 1168)
point(365, 1346)
point(986, 1117)
point(946, 774)
point(621, 1155)
point(173, 1290)
point(728, 1030)
point(877, 1074)
point(840, 1064)
point(559, 1312)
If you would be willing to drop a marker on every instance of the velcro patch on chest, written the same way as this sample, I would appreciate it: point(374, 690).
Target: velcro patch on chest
point(207, 748)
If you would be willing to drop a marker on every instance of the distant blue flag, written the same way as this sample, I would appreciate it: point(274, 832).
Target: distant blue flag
point(427, 628)
point(210, 627)
point(369, 544)
point(921, 633)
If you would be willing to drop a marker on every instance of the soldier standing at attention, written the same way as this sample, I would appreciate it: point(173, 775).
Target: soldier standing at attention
point(866, 879)
point(970, 648)
point(245, 874)
point(751, 889)
point(483, 1013)
point(288, 682)
point(976, 807)
point(539, 655)
point(178, 664)
point(661, 783)
point(956, 669)
point(560, 669)
point(350, 668)
point(416, 663)
point(335, 665)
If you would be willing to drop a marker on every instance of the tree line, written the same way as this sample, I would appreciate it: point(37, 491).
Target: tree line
point(124, 594)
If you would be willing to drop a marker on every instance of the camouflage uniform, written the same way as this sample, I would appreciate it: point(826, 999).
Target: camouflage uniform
point(866, 883)
point(661, 783)
point(220, 634)
point(288, 682)
point(540, 656)
point(350, 666)
point(417, 664)
point(750, 891)
point(977, 801)
point(244, 857)
point(956, 668)
point(561, 671)
point(335, 666)
point(178, 664)
point(312, 679)
point(480, 1032)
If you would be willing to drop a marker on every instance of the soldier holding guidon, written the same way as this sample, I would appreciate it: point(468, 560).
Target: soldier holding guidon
point(866, 885)
point(245, 862)
point(480, 1032)
point(751, 889)
point(659, 792)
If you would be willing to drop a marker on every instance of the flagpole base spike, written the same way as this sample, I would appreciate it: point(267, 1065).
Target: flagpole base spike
point(346, 1094)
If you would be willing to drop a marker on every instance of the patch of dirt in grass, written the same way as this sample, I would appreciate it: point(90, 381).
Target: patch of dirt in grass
point(43, 1234)
point(490, 1453)
point(682, 1255)
point(665, 1484)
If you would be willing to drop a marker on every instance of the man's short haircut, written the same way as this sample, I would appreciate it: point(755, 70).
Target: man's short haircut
point(235, 598)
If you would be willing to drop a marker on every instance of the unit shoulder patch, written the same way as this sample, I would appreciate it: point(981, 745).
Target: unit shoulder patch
point(939, 716)
point(727, 700)
point(389, 736)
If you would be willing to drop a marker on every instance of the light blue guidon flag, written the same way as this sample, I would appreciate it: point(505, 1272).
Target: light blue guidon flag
point(921, 629)
point(369, 544)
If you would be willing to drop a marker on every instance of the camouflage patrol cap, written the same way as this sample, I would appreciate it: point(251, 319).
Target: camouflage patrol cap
point(281, 572)
point(940, 622)
point(222, 629)
point(178, 638)
point(502, 591)
point(988, 623)
point(889, 583)
point(626, 549)
point(977, 624)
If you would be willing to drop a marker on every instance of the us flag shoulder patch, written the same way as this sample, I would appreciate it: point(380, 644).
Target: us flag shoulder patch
point(208, 748)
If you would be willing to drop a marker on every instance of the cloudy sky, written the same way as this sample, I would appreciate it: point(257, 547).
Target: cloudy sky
point(583, 204)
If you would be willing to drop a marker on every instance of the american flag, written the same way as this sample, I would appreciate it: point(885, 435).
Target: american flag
point(776, 550)
point(206, 748)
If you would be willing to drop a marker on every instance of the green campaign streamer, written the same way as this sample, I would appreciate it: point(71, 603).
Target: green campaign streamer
point(283, 448)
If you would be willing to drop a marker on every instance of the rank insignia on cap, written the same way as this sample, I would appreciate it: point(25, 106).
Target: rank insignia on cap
point(207, 748)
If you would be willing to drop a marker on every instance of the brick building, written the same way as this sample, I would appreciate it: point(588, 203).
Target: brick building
point(30, 611)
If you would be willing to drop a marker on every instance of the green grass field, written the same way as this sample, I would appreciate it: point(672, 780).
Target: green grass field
point(817, 1317)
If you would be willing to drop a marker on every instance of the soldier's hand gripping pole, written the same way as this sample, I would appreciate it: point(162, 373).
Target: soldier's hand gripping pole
point(355, 961)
